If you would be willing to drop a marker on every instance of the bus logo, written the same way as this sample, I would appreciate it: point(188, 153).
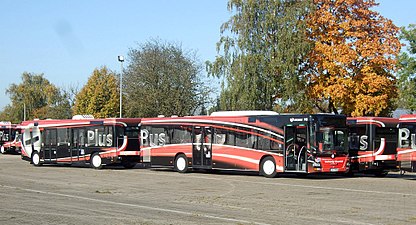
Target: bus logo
point(404, 135)
point(4, 136)
point(96, 138)
point(298, 120)
point(155, 139)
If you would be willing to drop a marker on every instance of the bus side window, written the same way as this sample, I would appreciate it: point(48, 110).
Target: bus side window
point(81, 137)
point(276, 147)
point(63, 136)
point(180, 134)
point(244, 140)
point(266, 143)
point(219, 137)
point(354, 141)
point(263, 143)
point(230, 140)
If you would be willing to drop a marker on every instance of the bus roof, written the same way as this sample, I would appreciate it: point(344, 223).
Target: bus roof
point(244, 113)
point(78, 122)
point(7, 125)
point(379, 121)
point(408, 118)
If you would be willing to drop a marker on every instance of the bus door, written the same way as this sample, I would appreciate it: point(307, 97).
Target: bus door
point(76, 147)
point(296, 148)
point(63, 147)
point(49, 145)
point(202, 147)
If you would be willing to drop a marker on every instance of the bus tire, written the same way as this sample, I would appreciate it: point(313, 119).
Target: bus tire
point(2, 150)
point(35, 159)
point(181, 163)
point(96, 161)
point(268, 167)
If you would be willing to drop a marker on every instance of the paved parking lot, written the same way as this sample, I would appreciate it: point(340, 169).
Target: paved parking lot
point(80, 195)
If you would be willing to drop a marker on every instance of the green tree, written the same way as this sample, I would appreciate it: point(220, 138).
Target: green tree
point(260, 52)
point(40, 98)
point(407, 69)
point(161, 78)
point(100, 96)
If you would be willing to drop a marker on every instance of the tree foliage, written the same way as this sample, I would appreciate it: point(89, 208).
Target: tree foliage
point(41, 98)
point(100, 96)
point(260, 52)
point(163, 79)
point(353, 59)
point(407, 69)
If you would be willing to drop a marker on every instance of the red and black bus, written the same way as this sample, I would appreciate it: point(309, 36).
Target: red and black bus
point(372, 144)
point(250, 141)
point(9, 137)
point(406, 151)
point(84, 140)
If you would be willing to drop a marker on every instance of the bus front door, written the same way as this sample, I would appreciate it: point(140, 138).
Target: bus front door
point(49, 145)
point(296, 148)
point(202, 147)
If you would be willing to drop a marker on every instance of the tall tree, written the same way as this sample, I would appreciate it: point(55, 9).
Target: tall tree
point(260, 50)
point(38, 96)
point(353, 59)
point(162, 78)
point(100, 96)
point(407, 69)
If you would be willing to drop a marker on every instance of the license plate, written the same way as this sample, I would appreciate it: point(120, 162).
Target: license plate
point(334, 170)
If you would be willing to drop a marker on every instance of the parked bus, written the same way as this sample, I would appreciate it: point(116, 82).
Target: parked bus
point(250, 141)
point(406, 151)
point(9, 137)
point(372, 144)
point(84, 140)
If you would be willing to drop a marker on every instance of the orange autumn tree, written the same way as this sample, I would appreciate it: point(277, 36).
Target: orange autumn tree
point(351, 65)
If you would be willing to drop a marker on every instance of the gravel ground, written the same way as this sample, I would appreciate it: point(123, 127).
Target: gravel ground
point(81, 195)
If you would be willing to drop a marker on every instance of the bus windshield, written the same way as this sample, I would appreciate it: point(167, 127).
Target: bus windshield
point(329, 139)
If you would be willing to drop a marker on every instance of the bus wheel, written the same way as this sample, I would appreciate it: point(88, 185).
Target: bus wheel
point(2, 150)
point(181, 163)
point(96, 161)
point(35, 159)
point(268, 167)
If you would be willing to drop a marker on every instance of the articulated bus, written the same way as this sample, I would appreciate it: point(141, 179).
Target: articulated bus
point(83, 139)
point(406, 151)
point(372, 144)
point(265, 142)
point(9, 137)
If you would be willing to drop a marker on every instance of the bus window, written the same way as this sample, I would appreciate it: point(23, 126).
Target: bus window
point(276, 147)
point(264, 143)
point(63, 136)
point(244, 140)
point(100, 136)
point(181, 134)
point(154, 136)
point(230, 138)
point(330, 139)
point(81, 137)
point(4, 136)
point(220, 137)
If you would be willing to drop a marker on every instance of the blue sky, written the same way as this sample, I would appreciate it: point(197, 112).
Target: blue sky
point(67, 40)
